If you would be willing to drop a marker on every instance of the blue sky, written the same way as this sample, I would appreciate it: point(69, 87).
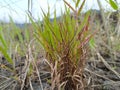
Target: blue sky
point(17, 8)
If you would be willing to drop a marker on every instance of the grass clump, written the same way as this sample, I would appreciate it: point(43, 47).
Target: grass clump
point(65, 42)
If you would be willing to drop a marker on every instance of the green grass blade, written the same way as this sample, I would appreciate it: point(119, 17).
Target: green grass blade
point(81, 7)
point(85, 21)
point(113, 4)
point(77, 3)
point(6, 55)
point(92, 43)
point(17, 31)
point(2, 39)
point(27, 35)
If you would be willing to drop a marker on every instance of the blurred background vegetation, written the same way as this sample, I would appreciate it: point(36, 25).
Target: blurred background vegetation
point(34, 47)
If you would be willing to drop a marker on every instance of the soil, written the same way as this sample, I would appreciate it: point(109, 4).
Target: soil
point(101, 76)
point(97, 75)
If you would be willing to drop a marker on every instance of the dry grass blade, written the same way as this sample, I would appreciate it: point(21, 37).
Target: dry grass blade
point(6, 84)
point(107, 65)
point(24, 76)
point(70, 6)
point(4, 77)
point(26, 68)
point(37, 71)
point(99, 75)
point(30, 84)
point(110, 83)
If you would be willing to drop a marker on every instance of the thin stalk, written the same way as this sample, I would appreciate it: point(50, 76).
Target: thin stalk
point(106, 24)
